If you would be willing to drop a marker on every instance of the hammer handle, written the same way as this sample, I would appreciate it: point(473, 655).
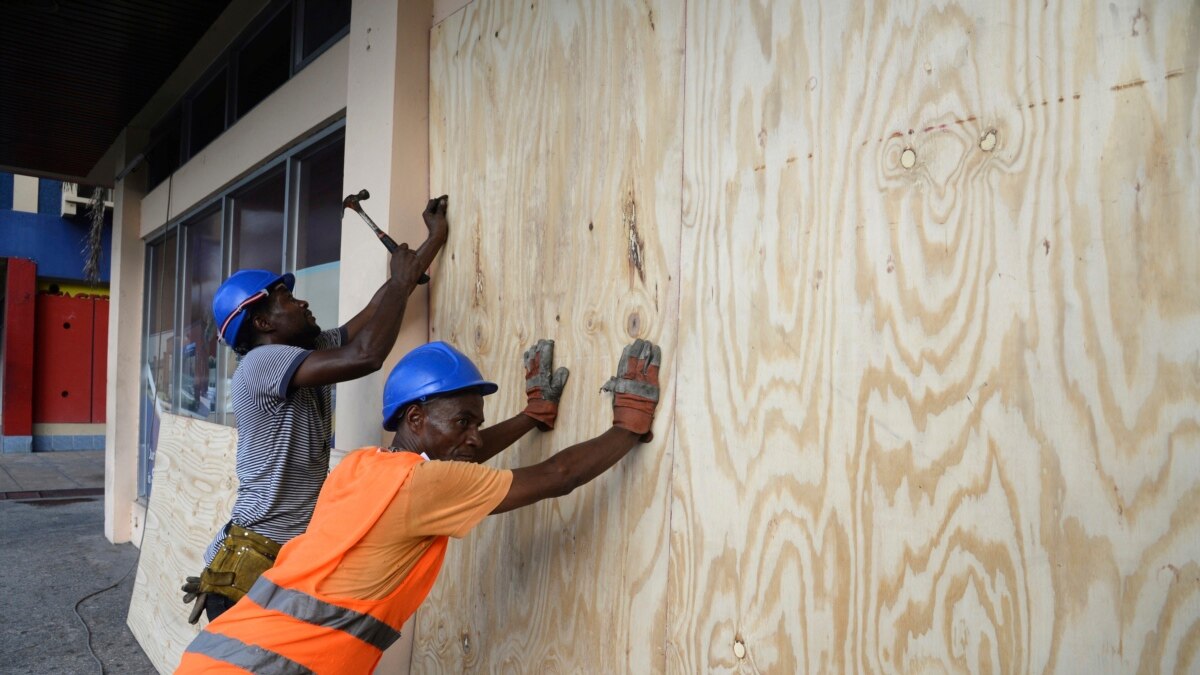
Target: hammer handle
point(391, 246)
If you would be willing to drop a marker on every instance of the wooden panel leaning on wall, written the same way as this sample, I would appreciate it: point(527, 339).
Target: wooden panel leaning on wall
point(193, 494)
point(555, 129)
point(939, 395)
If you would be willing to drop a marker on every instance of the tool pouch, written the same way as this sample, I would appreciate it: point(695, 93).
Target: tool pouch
point(241, 560)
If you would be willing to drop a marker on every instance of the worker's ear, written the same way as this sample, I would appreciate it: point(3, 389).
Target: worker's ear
point(262, 323)
point(413, 418)
point(263, 312)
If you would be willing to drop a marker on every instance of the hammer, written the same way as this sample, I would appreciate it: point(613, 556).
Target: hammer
point(352, 202)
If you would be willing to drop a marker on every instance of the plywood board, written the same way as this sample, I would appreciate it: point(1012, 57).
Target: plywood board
point(939, 374)
point(194, 490)
point(555, 129)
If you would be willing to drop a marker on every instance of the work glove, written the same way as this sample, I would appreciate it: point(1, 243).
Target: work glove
point(635, 388)
point(543, 388)
point(191, 591)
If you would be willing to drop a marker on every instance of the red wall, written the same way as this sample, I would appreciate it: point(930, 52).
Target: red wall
point(66, 369)
point(99, 359)
point(20, 289)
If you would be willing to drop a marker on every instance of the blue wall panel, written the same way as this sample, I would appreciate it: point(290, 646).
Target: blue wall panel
point(6, 191)
point(56, 243)
point(49, 197)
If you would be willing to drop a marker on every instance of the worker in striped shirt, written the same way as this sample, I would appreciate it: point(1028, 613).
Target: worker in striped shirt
point(282, 398)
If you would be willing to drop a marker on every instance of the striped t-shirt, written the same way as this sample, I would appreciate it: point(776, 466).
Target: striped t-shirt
point(283, 441)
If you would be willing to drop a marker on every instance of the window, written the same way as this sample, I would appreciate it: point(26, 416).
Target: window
point(322, 21)
point(207, 113)
point(200, 278)
point(158, 353)
point(319, 230)
point(162, 155)
point(264, 62)
point(258, 224)
point(284, 217)
point(258, 239)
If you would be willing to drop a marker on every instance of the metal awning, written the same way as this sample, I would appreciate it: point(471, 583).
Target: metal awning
point(73, 73)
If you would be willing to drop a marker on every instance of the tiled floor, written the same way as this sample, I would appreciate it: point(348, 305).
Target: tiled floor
point(59, 473)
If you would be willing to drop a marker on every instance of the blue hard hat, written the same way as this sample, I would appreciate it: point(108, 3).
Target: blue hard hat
point(242, 289)
point(429, 370)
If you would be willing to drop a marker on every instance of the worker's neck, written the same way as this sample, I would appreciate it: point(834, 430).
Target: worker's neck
point(402, 443)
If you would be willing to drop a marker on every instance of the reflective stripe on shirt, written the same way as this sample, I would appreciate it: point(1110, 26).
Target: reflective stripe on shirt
point(250, 657)
point(304, 607)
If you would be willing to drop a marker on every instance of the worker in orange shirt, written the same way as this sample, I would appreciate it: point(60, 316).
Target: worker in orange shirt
point(339, 593)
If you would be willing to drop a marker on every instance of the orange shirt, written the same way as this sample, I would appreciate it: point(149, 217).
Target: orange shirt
point(439, 499)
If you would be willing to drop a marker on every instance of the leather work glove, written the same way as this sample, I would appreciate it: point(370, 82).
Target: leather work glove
point(543, 387)
point(635, 388)
point(191, 591)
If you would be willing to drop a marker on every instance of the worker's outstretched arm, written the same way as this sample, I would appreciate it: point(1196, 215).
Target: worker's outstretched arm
point(635, 398)
point(371, 337)
point(543, 391)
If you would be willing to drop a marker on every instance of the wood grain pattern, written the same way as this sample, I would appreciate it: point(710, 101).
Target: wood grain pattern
point(556, 130)
point(194, 489)
point(939, 371)
point(936, 353)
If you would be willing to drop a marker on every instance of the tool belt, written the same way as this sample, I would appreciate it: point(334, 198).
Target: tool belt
point(241, 560)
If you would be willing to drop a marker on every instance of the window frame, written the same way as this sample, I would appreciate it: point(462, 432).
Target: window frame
point(260, 177)
point(292, 198)
point(182, 274)
point(221, 201)
point(299, 62)
point(218, 68)
point(144, 483)
point(233, 54)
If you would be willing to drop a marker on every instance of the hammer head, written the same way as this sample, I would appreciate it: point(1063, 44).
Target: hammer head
point(351, 201)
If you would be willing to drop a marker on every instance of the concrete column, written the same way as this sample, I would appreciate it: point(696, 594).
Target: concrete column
point(124, 348)
point(387, 152)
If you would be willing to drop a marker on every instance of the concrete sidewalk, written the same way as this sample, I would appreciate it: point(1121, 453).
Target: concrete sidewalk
point(51, 474)
point(53, 556)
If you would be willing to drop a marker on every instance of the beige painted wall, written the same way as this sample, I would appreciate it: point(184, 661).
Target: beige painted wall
point(926, 278)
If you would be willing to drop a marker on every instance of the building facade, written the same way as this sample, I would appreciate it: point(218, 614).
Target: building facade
point(241, 161)
point(54, 321)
